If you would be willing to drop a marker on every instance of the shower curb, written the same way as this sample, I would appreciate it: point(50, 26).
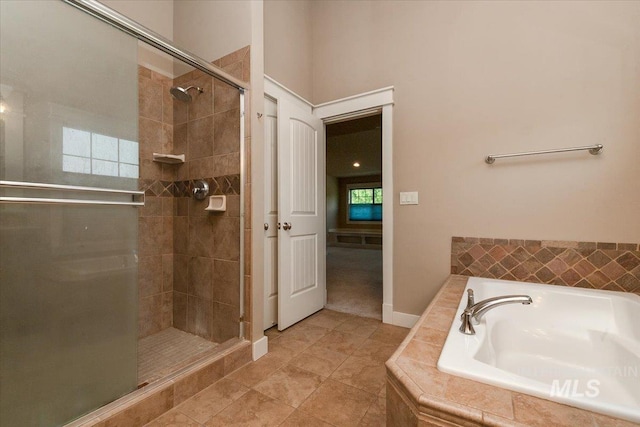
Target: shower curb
point(149, 402)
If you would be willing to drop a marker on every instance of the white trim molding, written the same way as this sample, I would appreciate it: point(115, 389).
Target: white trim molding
point(364, 101)
point(260, 348)
point(357, 106)
point(273, 89)
point(404, 319)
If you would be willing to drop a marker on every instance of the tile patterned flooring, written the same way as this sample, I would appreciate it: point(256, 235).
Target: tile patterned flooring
point(327, 370)
point(168, 350)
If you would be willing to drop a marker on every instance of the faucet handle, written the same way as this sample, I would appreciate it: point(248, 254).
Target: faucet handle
point(466, 327)
point(470, 298)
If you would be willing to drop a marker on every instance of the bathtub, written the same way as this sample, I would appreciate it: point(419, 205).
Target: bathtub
point(580, 347)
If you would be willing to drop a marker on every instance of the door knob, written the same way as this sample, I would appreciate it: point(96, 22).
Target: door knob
point(266, 226)
point(286, 226)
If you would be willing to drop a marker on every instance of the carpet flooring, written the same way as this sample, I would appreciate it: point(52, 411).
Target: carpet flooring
point(354, 281)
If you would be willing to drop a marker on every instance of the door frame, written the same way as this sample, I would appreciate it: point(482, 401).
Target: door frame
point(354, 107)
point(351, 108)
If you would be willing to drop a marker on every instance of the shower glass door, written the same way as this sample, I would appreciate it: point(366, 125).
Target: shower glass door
point(68, 218)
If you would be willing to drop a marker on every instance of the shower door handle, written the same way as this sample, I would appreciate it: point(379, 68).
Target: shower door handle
point(286, 226)
point(136, 197)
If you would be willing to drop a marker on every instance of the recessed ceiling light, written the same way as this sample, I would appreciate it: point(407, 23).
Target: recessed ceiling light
point(356, 165)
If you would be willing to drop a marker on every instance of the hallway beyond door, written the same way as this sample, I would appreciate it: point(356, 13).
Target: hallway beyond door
point(354, 281)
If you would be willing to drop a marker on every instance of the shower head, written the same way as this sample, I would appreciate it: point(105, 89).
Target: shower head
point(182, 94)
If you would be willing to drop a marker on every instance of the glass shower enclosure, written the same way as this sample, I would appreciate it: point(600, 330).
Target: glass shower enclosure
point(68, 213)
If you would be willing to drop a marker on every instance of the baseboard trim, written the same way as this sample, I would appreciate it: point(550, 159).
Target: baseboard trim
point(387, 313)
point(404, 319)
point(260, 348)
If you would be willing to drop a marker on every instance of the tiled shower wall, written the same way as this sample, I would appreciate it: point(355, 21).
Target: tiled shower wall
point(155, 222)
point(198, 271)
point(597, 265)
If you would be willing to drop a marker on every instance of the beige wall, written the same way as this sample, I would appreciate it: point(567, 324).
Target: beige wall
point(212, 29)
point(157, 16)
point(287, 39)
point(473, 78)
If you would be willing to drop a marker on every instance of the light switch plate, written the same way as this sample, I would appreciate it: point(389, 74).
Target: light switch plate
point(408, 197)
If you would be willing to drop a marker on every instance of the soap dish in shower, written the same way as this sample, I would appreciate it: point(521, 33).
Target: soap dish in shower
point(217, 204)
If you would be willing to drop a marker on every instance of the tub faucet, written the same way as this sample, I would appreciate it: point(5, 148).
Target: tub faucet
point(475, 311)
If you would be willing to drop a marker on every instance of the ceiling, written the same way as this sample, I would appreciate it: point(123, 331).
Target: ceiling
point(358, 140)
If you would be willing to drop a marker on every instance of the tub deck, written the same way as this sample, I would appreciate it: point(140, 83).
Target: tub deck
point(418, 394)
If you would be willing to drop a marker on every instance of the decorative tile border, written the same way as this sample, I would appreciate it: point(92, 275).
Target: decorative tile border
point(226, 184)
point(597, 265)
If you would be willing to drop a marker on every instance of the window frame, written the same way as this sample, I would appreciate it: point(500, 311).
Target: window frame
point(91, 158)
point(358, 186)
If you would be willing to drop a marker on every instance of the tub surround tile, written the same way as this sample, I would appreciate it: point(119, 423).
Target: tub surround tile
point(422, 352)
point(597, 265)
point(428, 378)
point(605, 421)
point(481, 396)
point(440, 318)
point(398, 412)
point(419, 394)
point(536, 412)
point(432, 336)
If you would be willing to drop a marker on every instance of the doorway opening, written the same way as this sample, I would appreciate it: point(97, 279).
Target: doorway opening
point(354, 219)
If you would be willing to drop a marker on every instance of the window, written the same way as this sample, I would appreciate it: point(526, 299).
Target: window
point(95, 154)
point(364, 204)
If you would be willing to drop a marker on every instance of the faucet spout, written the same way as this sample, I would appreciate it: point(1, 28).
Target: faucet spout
point(473, 314)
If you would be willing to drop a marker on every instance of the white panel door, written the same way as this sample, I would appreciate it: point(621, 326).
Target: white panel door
point(270, 214)
point(301, 208)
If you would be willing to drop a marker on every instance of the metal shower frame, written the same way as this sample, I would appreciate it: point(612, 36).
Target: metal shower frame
point(140, 32)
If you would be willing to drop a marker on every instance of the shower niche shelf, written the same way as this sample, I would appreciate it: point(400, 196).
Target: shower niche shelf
point(171, 159)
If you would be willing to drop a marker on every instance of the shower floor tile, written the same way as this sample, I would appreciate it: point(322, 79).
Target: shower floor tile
point(168, 350)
